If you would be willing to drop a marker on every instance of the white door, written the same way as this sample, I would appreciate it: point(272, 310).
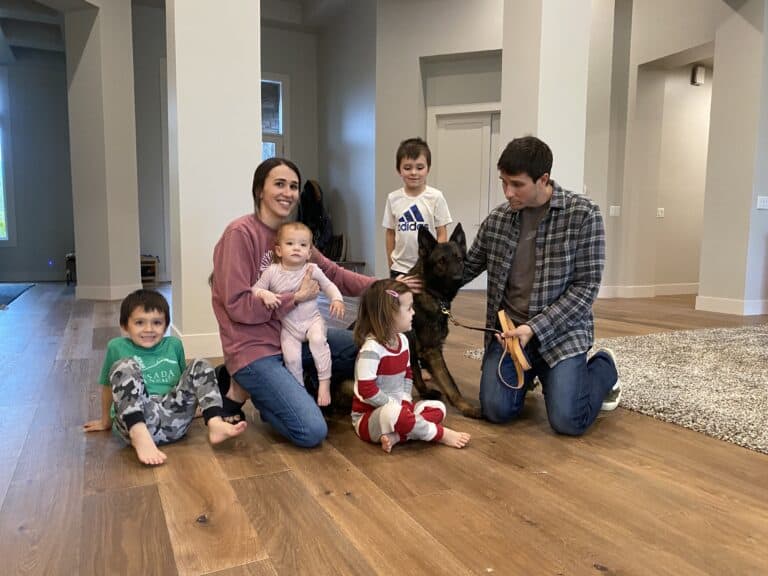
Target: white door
point(465, 149)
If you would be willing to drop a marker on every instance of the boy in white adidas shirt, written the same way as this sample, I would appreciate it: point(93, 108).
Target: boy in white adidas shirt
point(413, 206)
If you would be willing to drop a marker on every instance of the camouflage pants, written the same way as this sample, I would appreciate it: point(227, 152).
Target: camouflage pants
point(167, 417)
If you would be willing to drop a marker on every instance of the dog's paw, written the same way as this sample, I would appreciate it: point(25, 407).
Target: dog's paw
point(431, 394)
point(472, 412)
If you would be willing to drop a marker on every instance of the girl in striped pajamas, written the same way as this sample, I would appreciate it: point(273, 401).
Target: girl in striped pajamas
point(382, 408)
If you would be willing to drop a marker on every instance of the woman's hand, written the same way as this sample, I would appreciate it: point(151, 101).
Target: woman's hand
point(414, 283)
point(337, 309)
point(308, 290)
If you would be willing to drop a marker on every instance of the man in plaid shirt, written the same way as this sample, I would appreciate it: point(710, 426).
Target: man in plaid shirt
point(544, 251)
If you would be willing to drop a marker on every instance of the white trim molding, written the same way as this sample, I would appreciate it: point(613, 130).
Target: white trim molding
point(732, 306)
point(205, 345)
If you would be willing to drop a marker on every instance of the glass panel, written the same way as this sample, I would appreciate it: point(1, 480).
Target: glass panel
point(3, 221)
point(271, 122)
point(268, 150)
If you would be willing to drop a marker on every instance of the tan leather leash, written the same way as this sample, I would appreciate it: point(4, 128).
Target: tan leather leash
point(511, 346)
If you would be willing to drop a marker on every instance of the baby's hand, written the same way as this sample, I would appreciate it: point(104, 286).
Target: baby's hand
point(270, 299)
point(337, 309)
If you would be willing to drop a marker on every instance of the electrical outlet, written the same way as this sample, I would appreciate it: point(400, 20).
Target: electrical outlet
point(614, 211)
point(762, 202)
point(659, 212)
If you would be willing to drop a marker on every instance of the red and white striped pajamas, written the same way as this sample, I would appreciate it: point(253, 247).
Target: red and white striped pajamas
point(383, 404)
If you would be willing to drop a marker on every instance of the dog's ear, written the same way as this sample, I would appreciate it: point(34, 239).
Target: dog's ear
point(427, 242)
point(458, 236)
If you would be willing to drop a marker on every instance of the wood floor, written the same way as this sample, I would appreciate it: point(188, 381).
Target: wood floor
point(633, 496)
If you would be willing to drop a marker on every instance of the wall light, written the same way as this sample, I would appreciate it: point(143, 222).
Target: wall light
point(698, 75)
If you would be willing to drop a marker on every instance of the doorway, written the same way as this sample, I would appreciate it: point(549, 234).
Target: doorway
point(464, 140)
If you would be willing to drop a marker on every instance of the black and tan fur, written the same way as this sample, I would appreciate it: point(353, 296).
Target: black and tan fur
point(441, 267)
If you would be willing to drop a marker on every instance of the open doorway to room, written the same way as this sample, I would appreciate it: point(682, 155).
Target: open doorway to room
point(674, 98)
point(463, 98)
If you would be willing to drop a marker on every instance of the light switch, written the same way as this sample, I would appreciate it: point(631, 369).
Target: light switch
point(762, 202)
point(659, 212)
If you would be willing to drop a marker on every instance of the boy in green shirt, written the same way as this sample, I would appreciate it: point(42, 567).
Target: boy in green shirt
point(155, 393)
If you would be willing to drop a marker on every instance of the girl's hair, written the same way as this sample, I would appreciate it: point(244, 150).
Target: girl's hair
point(263, 170)
point(377, 311)
point(284, 228)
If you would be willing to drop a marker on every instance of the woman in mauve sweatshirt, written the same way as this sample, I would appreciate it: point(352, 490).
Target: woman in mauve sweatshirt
point(250, 332)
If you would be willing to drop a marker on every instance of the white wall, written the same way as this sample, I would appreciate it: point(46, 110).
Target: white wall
point(405, 32)
point(467, 79)
point(293, 53)
point(733, 165)
point(680, 181)
point(148, 58)
point(347, 129)
point(662, 29)
point(42, 185)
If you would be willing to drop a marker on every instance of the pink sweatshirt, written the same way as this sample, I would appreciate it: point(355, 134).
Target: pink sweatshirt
point(248, 330)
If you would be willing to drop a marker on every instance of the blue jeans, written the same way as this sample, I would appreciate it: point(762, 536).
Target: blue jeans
point(284, 403)
point(573, 388)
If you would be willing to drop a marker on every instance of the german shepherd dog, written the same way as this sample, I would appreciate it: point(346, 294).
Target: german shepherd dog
point(440, 267)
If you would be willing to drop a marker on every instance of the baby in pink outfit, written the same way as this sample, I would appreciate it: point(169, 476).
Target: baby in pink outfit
point(304, 323)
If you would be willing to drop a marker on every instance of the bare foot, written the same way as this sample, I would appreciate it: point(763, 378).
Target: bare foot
point(324, 393)
point(219, 430)
point(388, 441)
point(454, 439)
point(145, 446)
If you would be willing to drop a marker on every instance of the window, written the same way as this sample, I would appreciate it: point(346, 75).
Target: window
point(274, 121)
point(7, 230)
point(3, 213)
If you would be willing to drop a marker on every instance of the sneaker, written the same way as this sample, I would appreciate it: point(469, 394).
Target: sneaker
point(612, 399)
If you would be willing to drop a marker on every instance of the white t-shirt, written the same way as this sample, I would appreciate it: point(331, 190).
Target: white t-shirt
point(405, 215)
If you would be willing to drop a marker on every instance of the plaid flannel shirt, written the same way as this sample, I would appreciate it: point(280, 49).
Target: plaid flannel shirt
point(570, 255)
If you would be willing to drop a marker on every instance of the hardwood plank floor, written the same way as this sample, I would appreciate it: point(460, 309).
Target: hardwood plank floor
point(633, 496)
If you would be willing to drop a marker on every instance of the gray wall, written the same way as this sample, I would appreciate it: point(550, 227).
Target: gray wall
point(462, 79)
point(41, 173)
point(293, 53)
point(347, 127)
point(148, 58)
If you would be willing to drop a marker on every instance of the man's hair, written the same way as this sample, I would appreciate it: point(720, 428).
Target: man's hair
point(149, 300)
point(527, 155)
point(285, 228)
point(378, 307)
point(412, 148)
point(263, 170)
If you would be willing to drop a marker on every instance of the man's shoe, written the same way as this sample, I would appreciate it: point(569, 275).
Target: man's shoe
point(612, 399)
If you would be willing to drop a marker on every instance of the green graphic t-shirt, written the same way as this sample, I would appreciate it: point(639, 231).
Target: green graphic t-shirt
point(161, 365)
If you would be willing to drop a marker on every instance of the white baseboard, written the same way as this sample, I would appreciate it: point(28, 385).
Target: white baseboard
point(627, 292)
point(732, 306)
point(647, 291)
point(675, 289)
point(205, 345)
point(85, 292)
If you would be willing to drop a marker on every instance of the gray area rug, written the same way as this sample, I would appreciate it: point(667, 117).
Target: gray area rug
point(10, 291)
point(713, 381)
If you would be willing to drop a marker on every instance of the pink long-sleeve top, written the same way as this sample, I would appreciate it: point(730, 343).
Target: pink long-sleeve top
point(248, 330)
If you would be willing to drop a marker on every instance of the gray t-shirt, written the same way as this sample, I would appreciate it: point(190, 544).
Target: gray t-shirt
point(521, 275)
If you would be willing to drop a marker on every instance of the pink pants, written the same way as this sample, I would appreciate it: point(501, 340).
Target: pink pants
point(293, 334)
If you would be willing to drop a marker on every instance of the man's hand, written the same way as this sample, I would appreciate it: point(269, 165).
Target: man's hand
point(337, 309)
point(97, 425)
point(523, 333)
point(414, 283)
point(308, 290)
